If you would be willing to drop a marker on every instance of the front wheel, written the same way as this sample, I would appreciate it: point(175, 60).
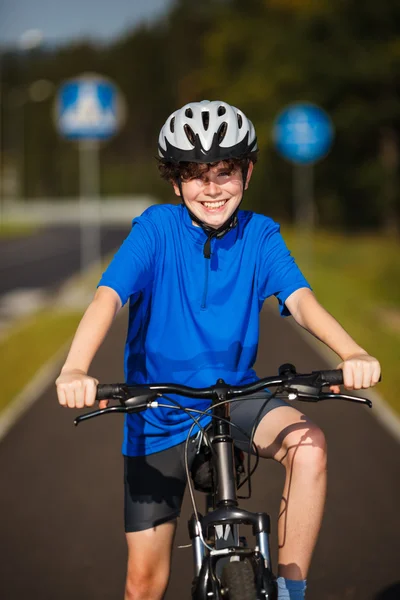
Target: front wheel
point(238, 581)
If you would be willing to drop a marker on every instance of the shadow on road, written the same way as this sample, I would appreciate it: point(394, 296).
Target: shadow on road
point(390, 593)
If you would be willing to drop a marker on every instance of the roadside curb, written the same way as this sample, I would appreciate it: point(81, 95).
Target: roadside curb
point(381, 410)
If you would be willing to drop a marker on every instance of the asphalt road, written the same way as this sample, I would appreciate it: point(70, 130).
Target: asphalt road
point(61, 515)
point(49, 256)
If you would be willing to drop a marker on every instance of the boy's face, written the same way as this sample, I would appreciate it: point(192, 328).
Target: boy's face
point(215, 195)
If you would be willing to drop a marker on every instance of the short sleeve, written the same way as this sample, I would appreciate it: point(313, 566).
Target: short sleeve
point(279, 274)
point(132, 267)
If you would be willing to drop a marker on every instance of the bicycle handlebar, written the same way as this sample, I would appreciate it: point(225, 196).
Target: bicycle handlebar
point(288, 375)
point(118, 391)
point(307, 387)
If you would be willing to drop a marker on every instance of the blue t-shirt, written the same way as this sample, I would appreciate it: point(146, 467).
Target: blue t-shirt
point(193, 320)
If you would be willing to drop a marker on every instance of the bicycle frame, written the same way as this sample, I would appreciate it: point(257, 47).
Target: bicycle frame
point(225, 519)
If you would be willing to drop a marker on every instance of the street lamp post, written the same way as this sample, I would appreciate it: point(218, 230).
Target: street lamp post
point(18, 98)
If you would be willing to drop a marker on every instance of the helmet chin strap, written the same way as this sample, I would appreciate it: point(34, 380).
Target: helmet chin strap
point(211, 231)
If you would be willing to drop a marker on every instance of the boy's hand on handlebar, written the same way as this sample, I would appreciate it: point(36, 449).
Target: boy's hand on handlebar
point(360, 371)
point(76, 389)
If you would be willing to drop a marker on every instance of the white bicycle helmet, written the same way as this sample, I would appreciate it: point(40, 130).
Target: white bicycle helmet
point(206, 132)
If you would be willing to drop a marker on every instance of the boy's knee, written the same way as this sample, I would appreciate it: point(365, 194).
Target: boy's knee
point(308, 450)
point(149, 560)
point(145, 584)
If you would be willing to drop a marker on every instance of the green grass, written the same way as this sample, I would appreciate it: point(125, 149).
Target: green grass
point(35, 339)
point(357, 279)
point(9, 230)
point(29, 345)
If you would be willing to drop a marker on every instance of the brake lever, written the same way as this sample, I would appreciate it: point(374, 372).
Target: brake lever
point(113, 409)
point(327, 396)
point(309, 397)
point(98, 413)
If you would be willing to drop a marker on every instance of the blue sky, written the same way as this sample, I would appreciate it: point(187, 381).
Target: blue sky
point(60, 21)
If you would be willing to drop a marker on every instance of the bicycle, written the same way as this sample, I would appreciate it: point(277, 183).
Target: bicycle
point(226, 567)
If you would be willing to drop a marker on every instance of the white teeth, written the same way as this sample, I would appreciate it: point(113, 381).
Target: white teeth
point(214, 204)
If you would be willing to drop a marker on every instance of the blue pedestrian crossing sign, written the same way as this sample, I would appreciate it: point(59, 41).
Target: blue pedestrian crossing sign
point(88, 108)
point(303, 133)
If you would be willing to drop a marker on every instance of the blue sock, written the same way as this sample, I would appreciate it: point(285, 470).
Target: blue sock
point(289, 589)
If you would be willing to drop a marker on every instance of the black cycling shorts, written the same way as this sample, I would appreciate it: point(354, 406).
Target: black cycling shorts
point(155, 484)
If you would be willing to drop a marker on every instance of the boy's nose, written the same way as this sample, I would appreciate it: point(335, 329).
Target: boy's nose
point(212, 189)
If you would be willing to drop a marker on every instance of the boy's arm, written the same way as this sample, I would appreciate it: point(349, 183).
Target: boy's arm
point(75, 388)
point(360, 370)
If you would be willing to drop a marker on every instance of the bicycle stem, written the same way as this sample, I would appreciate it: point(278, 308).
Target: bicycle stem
point(224, 464)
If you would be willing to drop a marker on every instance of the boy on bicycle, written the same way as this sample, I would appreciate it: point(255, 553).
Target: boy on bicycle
point(196, 276)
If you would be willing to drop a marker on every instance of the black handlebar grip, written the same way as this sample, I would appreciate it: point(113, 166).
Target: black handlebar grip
point(334, 377)
point(106, 391)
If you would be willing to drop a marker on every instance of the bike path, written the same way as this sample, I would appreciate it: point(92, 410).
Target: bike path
point(61, 516)
point(47, 257)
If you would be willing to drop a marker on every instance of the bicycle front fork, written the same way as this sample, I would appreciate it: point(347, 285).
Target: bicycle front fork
point(227, 536)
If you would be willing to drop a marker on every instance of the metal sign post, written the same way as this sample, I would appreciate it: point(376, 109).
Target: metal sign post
point(303, 195)
point(89, 109)
point(303, 134)
point(89, 202)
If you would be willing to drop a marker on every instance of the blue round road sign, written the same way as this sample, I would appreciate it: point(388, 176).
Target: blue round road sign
point(88, 108)
point(303, 133)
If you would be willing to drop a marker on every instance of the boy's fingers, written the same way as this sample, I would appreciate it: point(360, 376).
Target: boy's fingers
point(62, 398)
point(367, 376)
point(358, 373)
point(376, 374)
point(90, 392)
point(348, 379)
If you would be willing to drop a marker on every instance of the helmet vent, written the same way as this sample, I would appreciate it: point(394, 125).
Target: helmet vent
point(206, 119)
point(222, 131)
point(172, 125)
point(189, 134)
point(240, 121)
point(221, 111)
point(189, 113)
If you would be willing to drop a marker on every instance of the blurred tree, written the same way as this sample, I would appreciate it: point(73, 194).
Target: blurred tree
point(343, 56)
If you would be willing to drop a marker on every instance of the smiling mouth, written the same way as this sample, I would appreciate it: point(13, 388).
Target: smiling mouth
point(214, 205)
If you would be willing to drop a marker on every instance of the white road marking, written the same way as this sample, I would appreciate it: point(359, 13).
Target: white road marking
point(18, 303)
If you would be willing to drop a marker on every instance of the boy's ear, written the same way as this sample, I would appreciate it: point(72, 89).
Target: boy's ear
point(176, 188)
point(249, 174)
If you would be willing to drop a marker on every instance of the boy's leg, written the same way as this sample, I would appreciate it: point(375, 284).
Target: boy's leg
point(149, 560)
point(154, 489)
point(289, 437)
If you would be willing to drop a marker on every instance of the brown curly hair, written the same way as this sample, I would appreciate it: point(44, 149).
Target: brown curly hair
point(185, 171)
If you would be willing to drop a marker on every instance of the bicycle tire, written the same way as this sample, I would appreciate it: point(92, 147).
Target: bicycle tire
point(238, 581)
